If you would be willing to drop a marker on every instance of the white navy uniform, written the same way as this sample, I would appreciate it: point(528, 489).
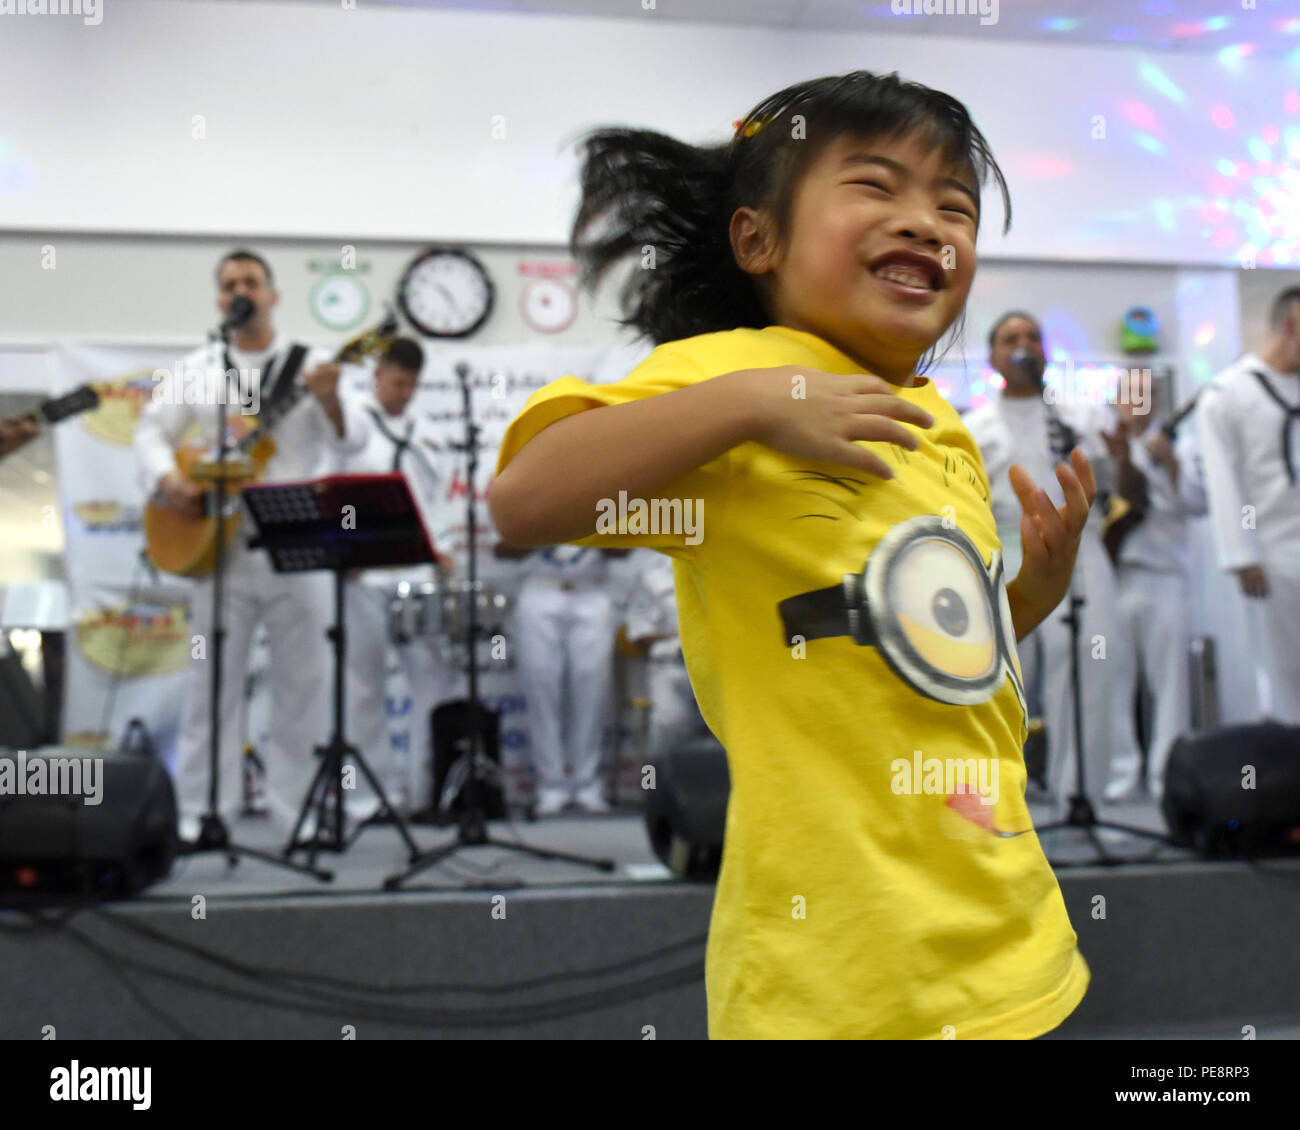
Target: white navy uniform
point(565, 628)
point(1154, 599)
point(1012, 430)
point(296, 607)
point(397, 443)
point(1255, 505)
point(652, 611)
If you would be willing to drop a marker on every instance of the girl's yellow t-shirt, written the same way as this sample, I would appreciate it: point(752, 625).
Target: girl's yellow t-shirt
point(850, 644)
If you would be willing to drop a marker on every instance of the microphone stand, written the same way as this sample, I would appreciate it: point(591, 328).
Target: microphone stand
point(214, 836)
point(475, 768)
point(1081, 812)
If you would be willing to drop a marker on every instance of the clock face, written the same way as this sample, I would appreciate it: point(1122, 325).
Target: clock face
point(446, 294)
point(339, 302)
point(549, 305)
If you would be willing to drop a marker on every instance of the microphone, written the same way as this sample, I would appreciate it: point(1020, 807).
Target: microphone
point(1061, 438)
point(1028, 364)
point(241, 309)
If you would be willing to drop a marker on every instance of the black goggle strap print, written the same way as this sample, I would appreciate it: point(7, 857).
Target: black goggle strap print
point(925, 599)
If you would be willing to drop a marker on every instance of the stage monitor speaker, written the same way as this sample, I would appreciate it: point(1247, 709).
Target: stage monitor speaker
point(54, 844)
point(686, 811)
point(1235, 791)
point(451, 742)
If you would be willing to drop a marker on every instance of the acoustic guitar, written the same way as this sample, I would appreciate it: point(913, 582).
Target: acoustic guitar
point(1133, 492)
point(187, 547)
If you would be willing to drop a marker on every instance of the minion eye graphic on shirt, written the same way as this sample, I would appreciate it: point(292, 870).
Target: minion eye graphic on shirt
point(939, 617)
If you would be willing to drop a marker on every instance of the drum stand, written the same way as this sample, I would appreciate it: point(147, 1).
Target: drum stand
point(476, 767)
point(214, 836)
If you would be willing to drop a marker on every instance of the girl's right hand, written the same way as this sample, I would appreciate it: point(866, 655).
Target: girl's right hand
point(820, 416)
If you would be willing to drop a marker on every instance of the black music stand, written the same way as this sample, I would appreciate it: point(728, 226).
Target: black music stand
point(340, 523)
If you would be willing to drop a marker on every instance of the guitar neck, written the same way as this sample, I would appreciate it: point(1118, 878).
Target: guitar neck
point(287, 399)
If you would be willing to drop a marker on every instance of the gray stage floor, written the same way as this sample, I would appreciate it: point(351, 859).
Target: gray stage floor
point(1147, 967)
point(620, 837)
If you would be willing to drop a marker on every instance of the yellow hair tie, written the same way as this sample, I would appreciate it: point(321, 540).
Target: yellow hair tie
point(750, 129)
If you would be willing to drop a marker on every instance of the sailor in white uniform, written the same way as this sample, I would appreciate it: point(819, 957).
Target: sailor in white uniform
point(1249, 420)
point(1023, 425)
point(565, 629)
point(1152, 571)
point(651, 622)
point(400, 440)
point(323, 424)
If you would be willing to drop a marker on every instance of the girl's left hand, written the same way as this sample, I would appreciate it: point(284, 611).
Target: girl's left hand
point(1049, 536)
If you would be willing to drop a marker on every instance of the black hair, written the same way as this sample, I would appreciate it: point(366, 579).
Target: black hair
point(653, 195)
point(405, 353)
point(1282, 307)
point(243, 253)
point(1002, 321)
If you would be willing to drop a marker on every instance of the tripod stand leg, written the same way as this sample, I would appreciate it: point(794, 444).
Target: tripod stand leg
point(385, 805)
point(316, 795)
point(543, 853)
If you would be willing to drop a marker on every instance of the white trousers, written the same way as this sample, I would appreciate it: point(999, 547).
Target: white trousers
point(297, 609)
point(1156, 612)
point(564, 643)
point(1107, 669)
point(408, 781)
point(1276, 622)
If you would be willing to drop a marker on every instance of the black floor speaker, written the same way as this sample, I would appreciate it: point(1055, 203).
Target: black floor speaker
point(686, 811)
point(452, 741)
point(54, 844)
point(1235, 791)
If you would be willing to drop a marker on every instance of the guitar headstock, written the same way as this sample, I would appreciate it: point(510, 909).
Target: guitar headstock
point(79, 400)
point(370, 343)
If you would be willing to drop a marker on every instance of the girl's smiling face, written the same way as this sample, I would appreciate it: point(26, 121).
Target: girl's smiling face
point(880, 252)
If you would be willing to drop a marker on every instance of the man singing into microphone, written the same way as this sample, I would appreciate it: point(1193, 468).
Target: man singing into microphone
point(296, 607)
point(1020, 425)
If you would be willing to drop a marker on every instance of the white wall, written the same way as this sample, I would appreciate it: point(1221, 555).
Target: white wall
point(131, 290)
point(350, 124)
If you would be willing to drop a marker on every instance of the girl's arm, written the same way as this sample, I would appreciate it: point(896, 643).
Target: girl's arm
point(548, 493)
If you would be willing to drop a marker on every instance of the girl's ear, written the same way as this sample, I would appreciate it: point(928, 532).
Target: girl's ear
point(753, 240)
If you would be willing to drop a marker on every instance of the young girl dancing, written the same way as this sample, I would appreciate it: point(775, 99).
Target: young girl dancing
point(845, 620)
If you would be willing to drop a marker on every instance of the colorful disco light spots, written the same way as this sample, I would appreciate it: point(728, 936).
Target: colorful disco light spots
point(1204, 335)
point(1044, 166)
point(1232, 56)
point(1139, 113)
point(1150, 144)
point(1222, 117)
point(1058, 23)
point(1292, 102)
point(1155, 78)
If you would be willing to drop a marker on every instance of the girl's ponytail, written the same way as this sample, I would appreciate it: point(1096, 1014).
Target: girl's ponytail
point(665, 206)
